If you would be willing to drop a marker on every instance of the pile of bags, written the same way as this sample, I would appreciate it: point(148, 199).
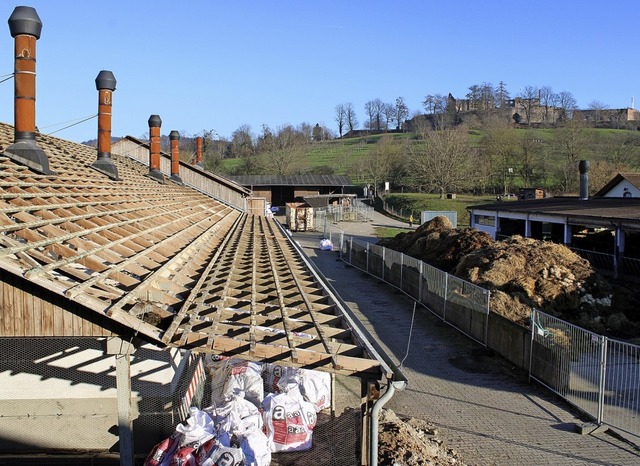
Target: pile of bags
point(256, 409)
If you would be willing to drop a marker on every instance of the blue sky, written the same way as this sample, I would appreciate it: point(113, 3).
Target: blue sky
point(214, 65)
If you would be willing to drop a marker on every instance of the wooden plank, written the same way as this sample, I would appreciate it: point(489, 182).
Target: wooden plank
point(48, 317)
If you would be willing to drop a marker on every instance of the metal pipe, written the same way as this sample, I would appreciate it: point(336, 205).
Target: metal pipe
point(154, 148)
point(174, 137)
point(392, 386)
point(105, 85)
point(199, 151)
point(25, 27)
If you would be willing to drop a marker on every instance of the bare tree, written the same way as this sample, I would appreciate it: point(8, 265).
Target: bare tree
point(350, 115)
point(382, 162)
point(572, 144)
point(341, 117)
point(547, 101)
point(375, 112)
point(529, 99)
point(242, 142)
point(442, 159)
point(598, 109)
point(401, 112)
point(567, 104)
point(434, 104)
point(500, 147)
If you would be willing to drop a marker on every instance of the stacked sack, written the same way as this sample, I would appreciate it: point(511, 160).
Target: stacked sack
point(197, 442)
point(243, 426)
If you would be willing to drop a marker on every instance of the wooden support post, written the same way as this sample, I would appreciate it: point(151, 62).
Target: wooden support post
point(122, 351)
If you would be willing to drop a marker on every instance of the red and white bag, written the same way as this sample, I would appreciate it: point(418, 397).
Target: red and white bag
point(160, 455)
point(289, 421)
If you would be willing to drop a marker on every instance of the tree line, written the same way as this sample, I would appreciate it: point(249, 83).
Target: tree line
point(471, 144)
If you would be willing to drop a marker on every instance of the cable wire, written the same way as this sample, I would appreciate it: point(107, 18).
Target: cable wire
point(69, 126)
point(410, 333)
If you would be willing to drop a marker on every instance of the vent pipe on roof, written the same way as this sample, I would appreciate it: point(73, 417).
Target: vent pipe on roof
point(583, 166)
point(105, 84)
point(174, 137)
point(199, 151)
point(25, 27)
point(154, 148)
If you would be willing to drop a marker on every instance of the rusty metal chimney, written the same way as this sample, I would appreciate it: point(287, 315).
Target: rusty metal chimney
point(199, 151)
point(25, 27)
point(154, 148)
point(583, 166)
point(105, 84)
point(174, 137)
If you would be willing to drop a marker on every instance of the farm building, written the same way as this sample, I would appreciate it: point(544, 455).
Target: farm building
point(117, 275)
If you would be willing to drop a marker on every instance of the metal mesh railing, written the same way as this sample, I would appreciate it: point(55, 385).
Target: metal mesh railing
point(459, 303)
point(599, 375)
point(356, 211)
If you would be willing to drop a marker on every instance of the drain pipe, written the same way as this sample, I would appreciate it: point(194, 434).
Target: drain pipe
point(392, 386)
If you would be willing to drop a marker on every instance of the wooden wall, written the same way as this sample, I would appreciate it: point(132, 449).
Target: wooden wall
point(215, 186)
point(28, 310)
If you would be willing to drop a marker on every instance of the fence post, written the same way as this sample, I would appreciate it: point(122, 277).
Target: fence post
point(367, 257)
point(446, 296)
point(351, 251)
point(341, 243)
point(533, 336)
point(486, 319)
point(420, 280)
point(401, 269)
point(384, 251)
point(603, 375)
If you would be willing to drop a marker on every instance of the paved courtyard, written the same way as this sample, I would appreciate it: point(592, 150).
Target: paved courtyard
point(484, 409)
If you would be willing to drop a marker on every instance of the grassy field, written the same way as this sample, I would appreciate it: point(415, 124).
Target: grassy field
point(404, 204)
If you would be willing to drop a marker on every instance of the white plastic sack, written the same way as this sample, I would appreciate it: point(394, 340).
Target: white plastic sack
point(314, 386)
point(289, 422)
point(232, 376)
point(256, 449)
point(326, 245)
point(236, 416)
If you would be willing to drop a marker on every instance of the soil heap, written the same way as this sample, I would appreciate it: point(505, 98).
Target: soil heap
point(522, 273)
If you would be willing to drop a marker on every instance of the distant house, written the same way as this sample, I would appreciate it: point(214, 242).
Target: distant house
point(604, 228)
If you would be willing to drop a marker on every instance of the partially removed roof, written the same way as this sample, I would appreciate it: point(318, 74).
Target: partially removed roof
point(169, 263)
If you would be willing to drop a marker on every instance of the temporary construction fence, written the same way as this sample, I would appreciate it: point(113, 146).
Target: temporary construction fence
point(356, 211)
point(447, 296)
point(597, 374)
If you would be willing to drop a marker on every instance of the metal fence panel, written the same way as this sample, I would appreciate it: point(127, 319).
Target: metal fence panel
point(411, 276)
point(376, 261)
point(393, 265)
point(567, 359)
point(621, 397)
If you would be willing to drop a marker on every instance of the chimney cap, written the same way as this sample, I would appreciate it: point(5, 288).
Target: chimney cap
point(106, 80)
point(155, 121)
point(174, 135)
point(25, 20)
point(583, 166)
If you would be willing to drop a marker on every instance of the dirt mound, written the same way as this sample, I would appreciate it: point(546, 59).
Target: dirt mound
point(438, 243)
point(522, 273)
point(411, 442)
